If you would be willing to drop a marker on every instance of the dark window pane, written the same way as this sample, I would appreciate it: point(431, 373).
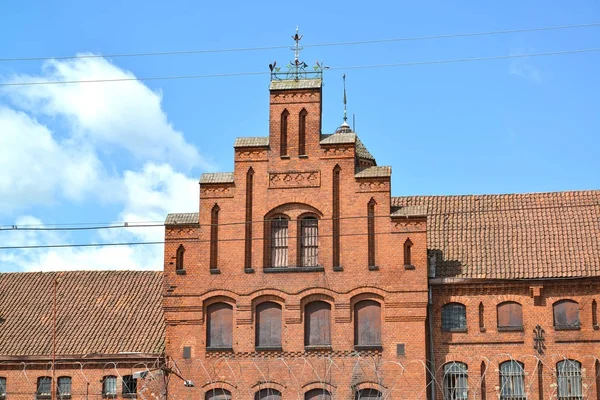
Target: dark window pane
point(309, 242)
point(510, 315)
point(129, 385)
point(219, 325)
point(279, 242)
point(317, 324)
point(455, 381)
point(367, 323)
point(566, 314)
point(569, 380)
point(454, 317)
point(268, 325)
point(267, 394)
point(317, 394)
point(218, 394)
point(109, 386)
point(368, 394)
point(44, 386)
point(179, 257)
point(512, 381)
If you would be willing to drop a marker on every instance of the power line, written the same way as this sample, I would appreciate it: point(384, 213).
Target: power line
point(331, 44)
point(235, 74)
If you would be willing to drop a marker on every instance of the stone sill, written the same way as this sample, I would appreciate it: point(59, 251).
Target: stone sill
point(375, 347)
point(455, 330)
point(180, 271)
point(318, 347)
point(567, 328)
point(215, 271)
point(373, 268)
point(510, 329)
point(224, 349)
point(268, 348)
point(409, 266)
point(272, 270)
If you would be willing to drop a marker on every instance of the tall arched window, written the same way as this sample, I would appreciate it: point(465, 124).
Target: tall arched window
point(279, 242)
point(317, 324)
point(455, 381)
point(336, 216)
point(454, 317)
point(317, 394)
point(371, 232)
point(248, 227)
point(283, 137)
point(267, 394)
point(268, 325)
point(594, 314)
point(407, 252)
point(512, 381)
point(219, 326)
point(367, 323)
point(302, 132)
point(568, 373)
point(566, 314)
point(308, 241)
point(179, 266)
point(481, 317)
point(368, 394)
point(510, 316)
point(214, 237)
point(218, 394)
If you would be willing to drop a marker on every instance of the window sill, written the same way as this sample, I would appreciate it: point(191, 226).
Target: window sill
point(215, 271)
point(129, 395)
point(303, 156)
point(409, 266)
point(367, 347)
point(373, 268)
point(510, 329)
point(596, 327)
point(214, 348)
point(109, 395)
point(567, 328)
point(272, 270)
point(317, 347)
point(180, 271)
point(249, 270)
point(339, 268)
point(285, 157)
point(462, 330)
point(268, 348)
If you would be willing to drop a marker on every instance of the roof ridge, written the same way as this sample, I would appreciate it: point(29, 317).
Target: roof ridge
point(498, 194)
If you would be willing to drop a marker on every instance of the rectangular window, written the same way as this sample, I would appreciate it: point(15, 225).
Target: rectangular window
point(512, 381)
point(455, 381)
point(63, 389)
point(569, 380)
point(2, 387)
point(44, 387)
point(309, 242)
point(129, 386)
point(279, 242)
point(109, 386)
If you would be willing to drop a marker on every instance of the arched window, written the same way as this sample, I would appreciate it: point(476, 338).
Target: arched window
point(512, 381)
point(302, 133)
point(268, 325)
point(179, 258)
point(109, 386)
point(454, 317)
point(455, 381)
point(267, 394)
point(279, 242)
point(481, 317)
point(568, 373)
point(566, 314)
point(63, 387)
point(510, 316)
point(367, 323)
point(368, 394)
point(218, 394)
point(219, 327)
point(309, 241)
point(214, 237)
point(44, 387)
point(407, 250)
point(284, 133)
point(317, 394)
point(317, 324)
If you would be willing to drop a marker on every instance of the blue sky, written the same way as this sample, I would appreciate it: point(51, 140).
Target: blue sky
point(133, 151)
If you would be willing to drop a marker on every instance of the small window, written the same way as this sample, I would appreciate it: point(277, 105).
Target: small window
point(367, 323)
point(569, 380)
point(279, 242)
point(63, 389)
point(44, 387)
point(317, 394)
point(2, 387)
point(512, 381)
point(455, 381)
point(129, 386)
point(284, 133)
point(218, 394)
point(109, 386)
point(481, 317)
point(454, 317)
point(594, 314)
point(214, 237)
point(309, 242)
point(510, 316)
point(267, 394)
point(179, 258)
point(268, 325)
point(302, 133)
point(407, 250)
point(371, 233)
point(317, 330)
point(219, 330)
point(368, 394)
point(566, 314)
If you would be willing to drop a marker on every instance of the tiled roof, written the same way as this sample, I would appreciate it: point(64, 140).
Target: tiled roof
point(375, 172)
point(286, 84)
point(362, 152)
point(217, 177)
point(409, 211)
point(182, 219)
point(512, 236)
point(102, 312)
point(339, 138)
point(260, 141)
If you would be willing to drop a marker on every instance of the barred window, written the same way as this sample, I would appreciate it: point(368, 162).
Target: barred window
point(309, 242)
point(63, 389)
point(510, 316)
point(569, 380)
point(218, 394)
point(367, 323)
point(109, 386)
point(2, 387)
point(317, 394)
point(129, 386)
point(44, 387)
point(317, 330)
point(267, 394)
point(454, 317)
point(368, 394)
point(279, 242)
point(219, 332)
point(566, 314)
point(455, 381)
point(512, 381)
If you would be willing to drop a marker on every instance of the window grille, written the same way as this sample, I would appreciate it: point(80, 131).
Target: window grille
point(63, 388)
point(367, 323)
point(512, 381)
point(267, 394)
point(279, 242)
point(109, 386)
point(317, 394)
point(2, 387)
point(569, 380)
point(309, 242)
point(218, 394)
point(566, 314)
point(219, 332)
point(454, 317)
point(455, 381)
point(317, 330)
point(129, 386)
point(510, 315)
point(44, 387)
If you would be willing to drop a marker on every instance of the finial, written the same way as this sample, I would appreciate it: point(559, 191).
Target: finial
point(345, 111)
point(297, 49)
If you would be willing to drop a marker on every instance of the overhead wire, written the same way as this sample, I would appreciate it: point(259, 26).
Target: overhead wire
point(329, 44)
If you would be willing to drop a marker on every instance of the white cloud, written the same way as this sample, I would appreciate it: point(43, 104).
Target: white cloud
point(523, 68)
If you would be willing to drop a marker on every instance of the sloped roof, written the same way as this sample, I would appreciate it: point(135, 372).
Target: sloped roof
point(375, 172)
point(217, 177)
point(102, 312)
point(512, 236)
point(257, 141)
point(182, 219)
point(287, 84)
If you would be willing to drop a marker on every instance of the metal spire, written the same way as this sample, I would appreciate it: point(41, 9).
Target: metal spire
point(345, 111)
point(297, 49)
